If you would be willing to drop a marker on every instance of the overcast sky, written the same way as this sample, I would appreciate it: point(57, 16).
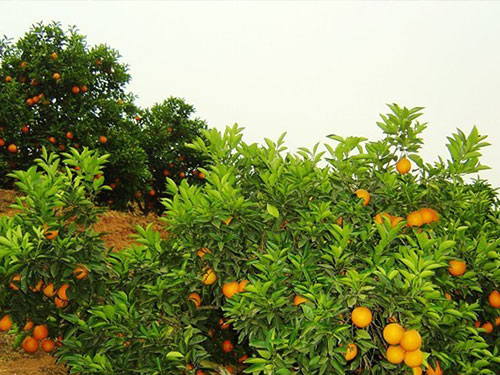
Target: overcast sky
point(305, 68)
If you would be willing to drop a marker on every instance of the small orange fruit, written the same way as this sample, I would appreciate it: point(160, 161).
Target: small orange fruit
point(380, 219)
point(243, 358)
point(413, 358)
point(5, 323)
point(182, 175)
point(414, 219)
point(152, 192)
point(297, 300)
point(84, 88)
point(8, 79)
point(403, 165)
point(80, 273)
point(201, 176)
point(497, 321)
point(29, 102)
point(60, 303)
point(51, 234)
point(361, 317)
point(166, 172)
point(448, 296)
point(52, 140)
point(363, 194)
point(56, 76)
point(230, 289)
point(494, 299)
point(49, 290)
point(417, 371)
point(242, 285)
point(209, 277)
point(37, 287)
point(457, 267)
point(14, 285)
point(395, 354)
point(2, 142)
point(393, 333)
point(411, 341)
point(69, 135)
point(29, 325)
point(477, 324)
point(12, 148)
point(227, 346)
point(25, 129)
point(103, 139)
point(40, 332)
point(488, 327)
point(48, 345)
point(30, 345)
point(61, 293)
point(223, 324)
point(428, 215)
point(54, 56)
point(137, 118)
point(24, 64)
point(75, 89)
point(352, 352)
point(195, 298)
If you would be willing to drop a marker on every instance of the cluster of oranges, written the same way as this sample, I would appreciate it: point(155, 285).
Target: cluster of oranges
point(40, 334)
point(494, 301)
point(404, 345)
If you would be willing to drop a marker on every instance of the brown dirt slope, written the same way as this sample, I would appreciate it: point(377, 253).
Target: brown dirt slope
point(117, 227)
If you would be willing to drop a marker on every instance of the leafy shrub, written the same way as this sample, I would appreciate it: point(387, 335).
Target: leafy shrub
point(314, 247)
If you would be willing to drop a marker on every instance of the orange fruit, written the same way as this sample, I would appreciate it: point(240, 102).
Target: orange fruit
point(448, 296)
point(417, 370)
point(112, 185)
point(393, 333)
point(230, 369)
point(230, 289)
point(54, 56)
point(75, 89)
point(84, 88)
point(428, 215)
point(488, 327)
point(227, 346)
point(12, 148)
point(403, 165)
point(60, 303)
point(497, 321)
point(209, 277)
point(137, 118)
point(80, 273)
point(411, 341)
point(414, 219)
point(204, 250)
point(170, 129)
point(166, 172)
point(49, 290)
point(29, 324)
point(352, 352)
point(152, 192)
point(56, 76)
point(189, 366)
point(102, 139)
point(59, 341)
point(211, 332)
point(242, 285)
point(340, 221)
point(457, 267)
point(477, 324)
point(297, 300)
point(363, 194)
point(8, 79)
point(182, 175)
point(40, 332)
point(30, 345)
point(61, 293)
point(62, 147)
point(200, 372)
point(48, 345)
point(25, 129)
point(51, 234)
point(137, 194)
point(23, 64)
point(361, 317)
point(69, 135)
point(243, 358)
point(413, 358)
point(195, 297)
point(201, 176)
point(395, 354)
point(2, 142)
point(37, 287)
point(14, 286)
point(223, 324)
point(5, 323)
point(494, 299)
point(52, 140)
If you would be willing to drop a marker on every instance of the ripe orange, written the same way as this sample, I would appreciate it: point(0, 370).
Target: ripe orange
point(48, 346)
point(51, 234)
point(243, 358)
point(393, 333)
point(230, 369)
point(403, 165)
point(223, 324)
point(448, 296)
point(29, 324)
point(84, 88)
point(417, 370)
point(169, 129)
point(40, 332)
point(200, 372)
point(75, 89)
point(297, 300)
point(494, 299)
point(61, 293)
point(152, 192)
point(361, 317)
point(13, 285)
point(30, 345)
point(414, 219)
point(137, 118)
point(209, 277)
point(12, 148)
point(60, 303)
point(37, 287)
point(201, 253)
point(457, 267)
point(395, 354)
point(52, 140)
point(23, 64)
point(5, 323)
point(352, 352)
point(227, 346)
point(414, 358)
point(2, 142)
point(411, 341)
point(363, 194)
point(80, 273)
point(477, 324)
point(340, 221)
point(242, 286)
point(8, 79)
point(182, 175)
point(54, 56)
point(497, 321)
point(56, 76)
point(166, 172)
point(189, 366)
point(230, 289)
point(102, 139)
point(195, 297)
point(488, 327)
point(201, 176)
point(25, 129)
point(427, 215)
point(69, 135)
point(49, 290)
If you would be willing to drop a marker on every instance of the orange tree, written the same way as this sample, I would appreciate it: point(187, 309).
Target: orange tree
point(377, 263)
point(58, 92)
point(51, 260)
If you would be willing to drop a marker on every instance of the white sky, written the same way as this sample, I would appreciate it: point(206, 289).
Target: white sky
point(307, 68)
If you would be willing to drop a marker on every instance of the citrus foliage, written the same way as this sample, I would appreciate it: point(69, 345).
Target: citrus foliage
point(51, 261)
point(57, 92)
point(326, 273)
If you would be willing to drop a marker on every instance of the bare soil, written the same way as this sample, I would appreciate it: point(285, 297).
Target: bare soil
point(117, 228)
